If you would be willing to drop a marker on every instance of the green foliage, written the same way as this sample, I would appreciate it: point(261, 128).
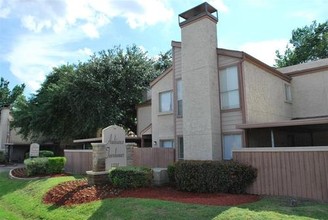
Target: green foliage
point(24, 199)
point(171, 173)
point(308, 43)
point(88, 96)
point(36, 166)
point(164, 61)
point(131, 177)
point(2, 157)
point(44, 165)
point(213, 176)
point(8, 97)
point(56, 164)
point(42, 153)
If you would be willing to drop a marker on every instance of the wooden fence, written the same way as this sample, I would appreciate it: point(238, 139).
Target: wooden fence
point(80, 161)
point(153, 157)
point(295, 172)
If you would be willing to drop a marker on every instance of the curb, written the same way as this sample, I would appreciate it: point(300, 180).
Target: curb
point(11, 176)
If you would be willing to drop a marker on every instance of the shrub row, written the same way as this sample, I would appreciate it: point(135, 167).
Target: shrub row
point(213, 176)
point(44, 165)
point(42, 153)
point(131, 177)
point(2, 157)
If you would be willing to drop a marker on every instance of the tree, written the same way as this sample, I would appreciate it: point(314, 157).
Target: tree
point(77, 100)
point(308, 43)
point(8, 97)
point(164, 61)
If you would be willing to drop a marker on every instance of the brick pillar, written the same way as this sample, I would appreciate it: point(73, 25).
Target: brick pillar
point(129, 153)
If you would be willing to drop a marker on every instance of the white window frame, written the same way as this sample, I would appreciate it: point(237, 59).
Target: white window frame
point(179, 98)
point(161, 143)
point(170, 109)
point(288, 92)
point(226, 92)
point(227, 150)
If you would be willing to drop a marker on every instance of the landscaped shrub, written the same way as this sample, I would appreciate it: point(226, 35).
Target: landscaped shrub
point(36, 166)
point(131, 177)
point(213, 176)
point(56, 164)
point(171, 173)
point(42, 153)
point(44, 165)
point(2, 157)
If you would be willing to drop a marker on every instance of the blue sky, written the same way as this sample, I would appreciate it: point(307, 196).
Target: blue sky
point(36, 35)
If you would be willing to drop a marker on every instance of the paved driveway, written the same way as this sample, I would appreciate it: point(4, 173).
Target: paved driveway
point(9, 167)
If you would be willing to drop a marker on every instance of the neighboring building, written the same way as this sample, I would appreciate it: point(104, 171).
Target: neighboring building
point(12, 143)
point(213, 100)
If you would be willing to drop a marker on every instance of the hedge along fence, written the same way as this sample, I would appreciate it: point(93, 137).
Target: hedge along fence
point(44, 165)
point(131, 177)
point(213, 176)
point(42, 153)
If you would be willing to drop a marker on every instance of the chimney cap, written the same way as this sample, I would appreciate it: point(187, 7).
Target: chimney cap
point(202, 9)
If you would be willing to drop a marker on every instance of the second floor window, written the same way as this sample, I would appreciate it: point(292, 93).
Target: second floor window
point(179, 97)
point(165, 101)
point(229, 88)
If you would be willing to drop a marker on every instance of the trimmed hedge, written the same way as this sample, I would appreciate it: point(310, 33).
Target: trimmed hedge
point(171, 173)
point(213, 176)
point(36, 166)
point(2, 157)
point(42, 153)
point(56, 164)
point(44, 165)
point(131, 177)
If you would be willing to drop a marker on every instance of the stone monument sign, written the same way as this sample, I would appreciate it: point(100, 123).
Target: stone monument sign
point(114, 139)
point(34, 150)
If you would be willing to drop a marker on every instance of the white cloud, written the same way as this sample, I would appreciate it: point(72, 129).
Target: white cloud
point(265, 50)
point(85, 51)
point(307, 15)
point(219, 5)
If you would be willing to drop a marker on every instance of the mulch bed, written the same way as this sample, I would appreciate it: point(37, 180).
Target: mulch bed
point(21, 173)
point(78, 192)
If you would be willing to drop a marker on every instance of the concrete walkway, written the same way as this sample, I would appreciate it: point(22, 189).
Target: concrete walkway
point(7, 168)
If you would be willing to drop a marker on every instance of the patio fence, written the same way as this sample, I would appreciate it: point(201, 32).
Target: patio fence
point(294, 171)
point(80, 161)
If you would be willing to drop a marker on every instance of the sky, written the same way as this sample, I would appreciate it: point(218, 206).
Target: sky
point(37, 35)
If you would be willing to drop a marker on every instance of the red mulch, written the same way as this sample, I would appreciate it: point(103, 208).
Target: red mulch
point(21, 173)
point(78, 191)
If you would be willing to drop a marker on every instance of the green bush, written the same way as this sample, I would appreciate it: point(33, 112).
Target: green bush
point(171, 173)
point(131, 177)
point(213, 176)
point(36, 166)
point(44, 165)
point(42, 153)
point(2, 157)
point(56, 164)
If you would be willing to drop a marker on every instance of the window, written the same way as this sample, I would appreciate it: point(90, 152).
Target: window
point(288, 93)
point(180, 148)
point(179, 96)
point(229, 89)
point(165, 101)
point(166, 143)
point(230, 142)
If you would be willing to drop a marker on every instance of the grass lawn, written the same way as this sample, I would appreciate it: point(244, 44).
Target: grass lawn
point(23, 200)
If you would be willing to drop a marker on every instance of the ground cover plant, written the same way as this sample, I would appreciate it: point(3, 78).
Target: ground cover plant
point(23, 200)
